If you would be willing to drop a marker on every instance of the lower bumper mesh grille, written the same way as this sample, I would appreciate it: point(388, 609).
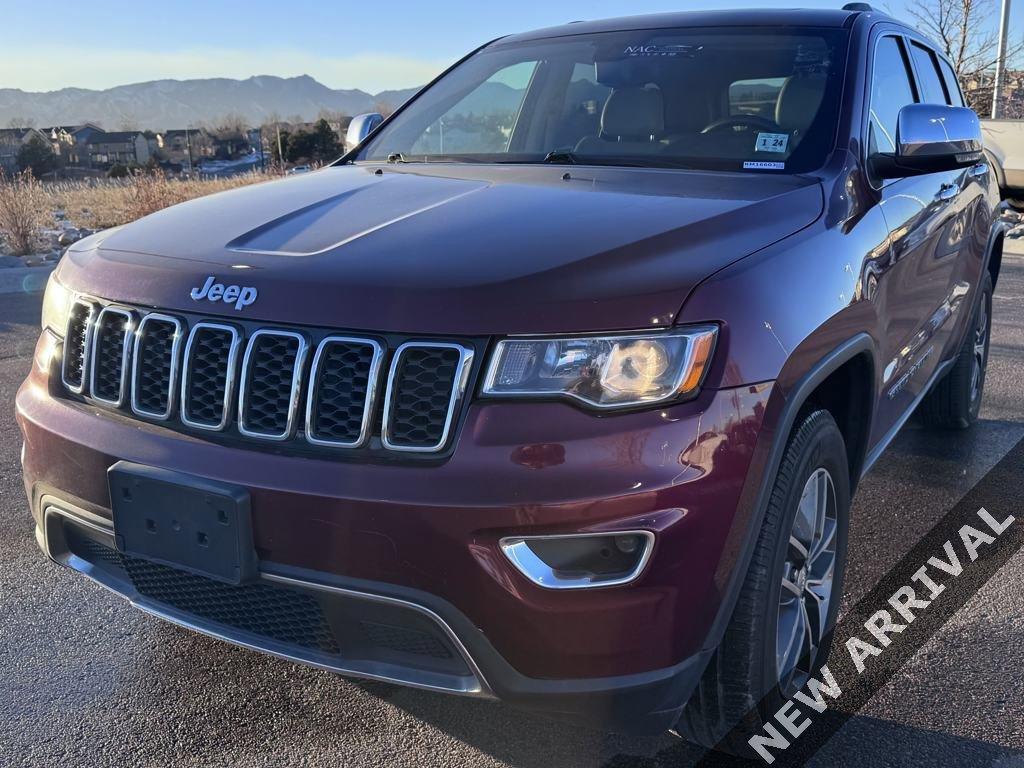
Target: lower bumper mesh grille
point(281, 614)
point(405, 640)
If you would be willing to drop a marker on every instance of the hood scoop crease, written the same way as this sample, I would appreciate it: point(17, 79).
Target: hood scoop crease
point(340, 219)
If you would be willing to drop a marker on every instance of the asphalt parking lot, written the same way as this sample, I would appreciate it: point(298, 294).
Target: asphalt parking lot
point(85, 680)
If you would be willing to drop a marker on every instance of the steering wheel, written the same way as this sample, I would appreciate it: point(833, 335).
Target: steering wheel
point(748, 121)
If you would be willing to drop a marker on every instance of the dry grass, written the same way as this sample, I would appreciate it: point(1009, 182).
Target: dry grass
point(111, 202)
point(24, 210)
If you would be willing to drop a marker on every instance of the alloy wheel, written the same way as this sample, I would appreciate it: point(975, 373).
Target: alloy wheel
point(808, 575)
point(980, 351)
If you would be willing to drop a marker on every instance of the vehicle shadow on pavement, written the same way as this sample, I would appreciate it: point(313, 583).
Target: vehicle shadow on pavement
point(866, 742)
point(517, 739)
point(525, 740)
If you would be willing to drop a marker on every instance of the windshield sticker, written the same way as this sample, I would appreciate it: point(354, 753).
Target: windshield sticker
point(763, 165)
point(651, 50)
point(771, 142)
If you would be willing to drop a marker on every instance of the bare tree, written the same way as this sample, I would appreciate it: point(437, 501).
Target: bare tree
point(231, 125)
point(964, 31)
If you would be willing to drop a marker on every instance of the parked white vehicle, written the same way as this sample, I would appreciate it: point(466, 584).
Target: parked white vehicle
point(1004, 145)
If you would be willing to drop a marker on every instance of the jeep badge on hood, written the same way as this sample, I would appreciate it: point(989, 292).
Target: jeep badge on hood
point(240, 296)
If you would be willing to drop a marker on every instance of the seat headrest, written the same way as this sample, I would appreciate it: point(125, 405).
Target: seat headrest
point(799, 101)
point(633, 114)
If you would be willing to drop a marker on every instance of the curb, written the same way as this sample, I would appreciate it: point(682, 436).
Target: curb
point(25, 279)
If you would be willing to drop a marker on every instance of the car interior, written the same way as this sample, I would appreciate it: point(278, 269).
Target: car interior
point(709, 99)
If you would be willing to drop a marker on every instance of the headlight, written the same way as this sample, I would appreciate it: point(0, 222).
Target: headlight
point(56, 305)
point(603, 371)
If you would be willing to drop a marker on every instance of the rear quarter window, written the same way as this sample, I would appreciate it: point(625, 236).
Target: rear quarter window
point(956, 97)
point(932, 89)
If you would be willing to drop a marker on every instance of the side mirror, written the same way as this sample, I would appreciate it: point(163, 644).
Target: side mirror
point(931, 138)
point(361, 127)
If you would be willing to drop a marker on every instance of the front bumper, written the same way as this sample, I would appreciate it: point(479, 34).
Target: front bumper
point(423, 540)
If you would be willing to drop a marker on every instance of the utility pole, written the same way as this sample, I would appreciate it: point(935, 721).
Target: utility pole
point(280, 154)
point(997, 85)
point(188, 146)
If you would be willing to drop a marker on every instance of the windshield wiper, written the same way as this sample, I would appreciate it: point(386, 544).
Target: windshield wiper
point(568, 157)
point(561, 157)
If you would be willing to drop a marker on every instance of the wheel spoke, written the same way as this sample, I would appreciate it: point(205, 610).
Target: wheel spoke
point(792, 623)
point(825, 546)
point(816, 604)
point(821, 503)
point(809, 647)
point(798, 551)
point(792, 588)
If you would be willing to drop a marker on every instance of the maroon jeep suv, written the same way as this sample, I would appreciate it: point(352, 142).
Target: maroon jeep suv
point(556, 387)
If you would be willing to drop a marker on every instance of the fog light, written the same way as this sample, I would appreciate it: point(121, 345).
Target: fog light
point(579, 561)
point(627, 544)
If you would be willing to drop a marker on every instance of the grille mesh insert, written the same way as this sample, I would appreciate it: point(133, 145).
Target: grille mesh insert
point(154, 366)
point(270, 367)
point(421, 396)
point(207, 375)
point(75, 345)
point(281, 614)
point(131, 360)
point(340, 390)
point(285, 615)
point(110, 337)
point(405, 640)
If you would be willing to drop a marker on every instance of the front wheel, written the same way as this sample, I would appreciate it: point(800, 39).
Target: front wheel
point(780, 630)
point(955, 401)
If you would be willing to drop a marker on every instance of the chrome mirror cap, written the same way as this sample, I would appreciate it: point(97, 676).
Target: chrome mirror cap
point(931, 138)
point(361, 127)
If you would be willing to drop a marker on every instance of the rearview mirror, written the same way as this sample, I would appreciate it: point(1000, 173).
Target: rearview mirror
point(361, 127)
point(931, 138)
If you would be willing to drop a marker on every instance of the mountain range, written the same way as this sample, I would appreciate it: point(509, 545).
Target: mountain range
point(166, 104)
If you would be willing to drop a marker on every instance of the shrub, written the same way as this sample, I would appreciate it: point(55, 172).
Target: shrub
point(98, 204)
point(37, 157)
point(24, 210)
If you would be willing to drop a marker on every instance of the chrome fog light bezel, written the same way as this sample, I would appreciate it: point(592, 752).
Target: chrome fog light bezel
point(517, 550)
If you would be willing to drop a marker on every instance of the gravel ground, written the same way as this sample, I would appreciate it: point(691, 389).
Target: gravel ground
point(88, 681)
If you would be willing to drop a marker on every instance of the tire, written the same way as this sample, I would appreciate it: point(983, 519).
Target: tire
point(955, 400)
point(741, 686)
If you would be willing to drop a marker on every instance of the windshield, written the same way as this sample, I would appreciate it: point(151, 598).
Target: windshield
point(757, 99)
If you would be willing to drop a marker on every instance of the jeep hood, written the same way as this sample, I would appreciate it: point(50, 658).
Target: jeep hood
point(450, 249)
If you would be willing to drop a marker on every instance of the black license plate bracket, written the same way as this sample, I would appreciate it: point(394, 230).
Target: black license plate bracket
point(183, 522)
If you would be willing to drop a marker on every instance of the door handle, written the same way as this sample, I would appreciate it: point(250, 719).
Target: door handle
point(979, 170)
point(948, 191)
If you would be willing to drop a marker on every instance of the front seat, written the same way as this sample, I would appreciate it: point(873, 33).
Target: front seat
point(632, 121)
point(799, 101)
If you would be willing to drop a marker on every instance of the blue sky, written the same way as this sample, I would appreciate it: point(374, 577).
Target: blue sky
point(368, 45)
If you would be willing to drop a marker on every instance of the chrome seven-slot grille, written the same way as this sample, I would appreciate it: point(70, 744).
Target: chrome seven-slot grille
point(270, 384)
